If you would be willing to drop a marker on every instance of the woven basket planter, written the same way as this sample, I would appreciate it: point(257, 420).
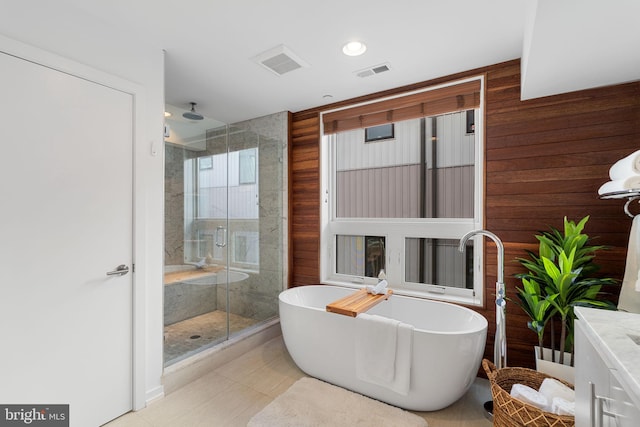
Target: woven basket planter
point(510, 412)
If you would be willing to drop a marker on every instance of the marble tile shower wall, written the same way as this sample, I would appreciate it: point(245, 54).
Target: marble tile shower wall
point(183, 301)
point(174, 203)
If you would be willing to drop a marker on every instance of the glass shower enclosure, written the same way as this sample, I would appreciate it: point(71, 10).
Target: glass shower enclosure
point(224, 231)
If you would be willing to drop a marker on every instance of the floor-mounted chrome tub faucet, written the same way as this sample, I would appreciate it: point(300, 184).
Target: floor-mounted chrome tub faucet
point(500, 345)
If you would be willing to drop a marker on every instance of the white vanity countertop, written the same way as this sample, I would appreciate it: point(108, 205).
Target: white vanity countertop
point(616, 336)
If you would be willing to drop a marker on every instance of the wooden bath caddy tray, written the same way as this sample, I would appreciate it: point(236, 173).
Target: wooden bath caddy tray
point(357, 302)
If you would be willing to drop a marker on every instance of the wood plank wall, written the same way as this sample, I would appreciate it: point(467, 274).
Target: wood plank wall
point(545, 158)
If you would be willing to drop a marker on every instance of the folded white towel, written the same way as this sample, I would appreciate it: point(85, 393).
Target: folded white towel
point(623, 184)
point(376, 341)
point(404, 349)
point(560, 406)
point(529, 395)
point(379, 289)
point(629, 299)
point(383, 352)
point(551, 388)
point(625, 167)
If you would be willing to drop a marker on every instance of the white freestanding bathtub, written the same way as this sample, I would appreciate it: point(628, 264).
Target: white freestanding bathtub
point(448, 344)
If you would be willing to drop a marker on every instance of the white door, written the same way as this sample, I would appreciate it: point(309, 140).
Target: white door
point(65, 221)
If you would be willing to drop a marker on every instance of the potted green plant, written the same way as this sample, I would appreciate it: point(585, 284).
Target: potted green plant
point(558, 278)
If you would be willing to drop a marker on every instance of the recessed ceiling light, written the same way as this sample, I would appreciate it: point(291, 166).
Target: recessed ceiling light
point(167, 114)
point(354, 48)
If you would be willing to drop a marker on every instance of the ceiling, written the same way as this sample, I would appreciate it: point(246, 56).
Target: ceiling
point(565, 45)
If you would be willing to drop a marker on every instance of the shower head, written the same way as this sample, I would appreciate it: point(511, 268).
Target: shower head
point(192, 115)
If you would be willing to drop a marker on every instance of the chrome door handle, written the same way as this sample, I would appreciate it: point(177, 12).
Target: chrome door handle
point(224, 231)
point(120, 270)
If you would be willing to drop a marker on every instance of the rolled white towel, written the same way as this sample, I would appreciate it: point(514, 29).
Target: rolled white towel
point(379, 288)
point(625, 167)
point(551, 388)
point(529, 395)
point(629, 183)
point(560, 406)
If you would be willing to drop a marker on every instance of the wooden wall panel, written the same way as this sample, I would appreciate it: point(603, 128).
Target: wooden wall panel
point(304, 199)
point(545, 158)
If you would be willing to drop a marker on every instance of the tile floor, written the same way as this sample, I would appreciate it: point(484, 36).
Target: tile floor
point(185, 338)
point(233, 393)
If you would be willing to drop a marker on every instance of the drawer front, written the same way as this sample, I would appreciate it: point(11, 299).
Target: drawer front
point(624, 413)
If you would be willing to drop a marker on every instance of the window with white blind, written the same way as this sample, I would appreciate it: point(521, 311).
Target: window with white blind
point(401, 204)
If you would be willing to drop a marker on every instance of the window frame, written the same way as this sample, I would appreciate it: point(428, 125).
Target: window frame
point(396, 230)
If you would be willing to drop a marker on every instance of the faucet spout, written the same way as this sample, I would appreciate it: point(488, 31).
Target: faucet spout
point(499, 245)
point(500, 342)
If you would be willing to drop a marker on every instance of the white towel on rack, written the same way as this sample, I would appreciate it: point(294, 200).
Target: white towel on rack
point(630, 293)
point(383, 352)
point(626, 167)
point(628, 183)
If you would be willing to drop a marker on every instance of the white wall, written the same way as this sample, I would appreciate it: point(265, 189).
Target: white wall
point(572, 45)
point(85, 39)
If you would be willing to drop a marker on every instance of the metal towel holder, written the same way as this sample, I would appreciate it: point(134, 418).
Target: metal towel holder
point(630, 195)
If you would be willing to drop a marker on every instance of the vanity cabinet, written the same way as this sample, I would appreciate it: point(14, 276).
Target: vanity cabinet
point(607, 361)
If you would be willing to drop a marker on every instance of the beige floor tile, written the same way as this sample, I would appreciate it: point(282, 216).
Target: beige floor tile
point(234, 407)
point(272, 379)
point(255, 359)
point(176, 405)
point(241, 419)
point(267, 369)
point(244, 365)
point(132, 419)
point(236, 391)
point(467, 412)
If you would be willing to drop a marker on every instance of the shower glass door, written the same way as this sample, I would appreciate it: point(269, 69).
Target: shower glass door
point(206, 225)
point(226, 223)
point(224, 236)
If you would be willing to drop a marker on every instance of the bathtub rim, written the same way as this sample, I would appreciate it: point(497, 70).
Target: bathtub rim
point(483, 323)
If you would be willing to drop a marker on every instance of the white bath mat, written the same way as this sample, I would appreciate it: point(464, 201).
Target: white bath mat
point(313, 403)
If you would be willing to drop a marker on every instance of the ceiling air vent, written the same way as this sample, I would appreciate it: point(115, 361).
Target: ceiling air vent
point(370, 71)
point(280, 60)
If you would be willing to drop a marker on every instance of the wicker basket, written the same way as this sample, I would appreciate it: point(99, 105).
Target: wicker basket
point(510, 412)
